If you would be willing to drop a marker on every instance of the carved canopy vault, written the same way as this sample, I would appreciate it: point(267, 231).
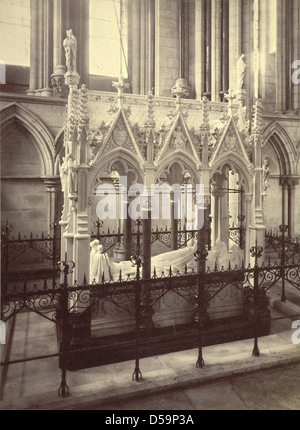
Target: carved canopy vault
point(144, 136)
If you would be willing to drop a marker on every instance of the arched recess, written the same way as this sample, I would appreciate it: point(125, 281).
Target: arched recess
point(280, 192)
point(108, 170)
point(177, 211)
point(277, 137)
point(230, 182)
point(27, 161)
point(42, 137)
point(185, 163)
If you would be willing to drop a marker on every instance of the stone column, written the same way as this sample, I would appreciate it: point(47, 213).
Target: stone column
point(127, 234)
point(34, 52)
point(296, 52)
point(166, 46)
point(59, 68)
point(41, 48)
point(248, 220)
point(281, 56)
point(136, 43)
point(174, 223)
point(46, 91)
point(216, 49)
point(291, 196)
point(235, 39)
point(52, 183)
point(82, 18)
point(224, 218)
point(146, 239)
point(81, 229)
point(200, 48)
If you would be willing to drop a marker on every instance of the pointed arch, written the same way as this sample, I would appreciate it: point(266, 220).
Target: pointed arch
point(121, 155)
point(238, 165)
point(42, 137)
point(283, 147)
point(185, 160)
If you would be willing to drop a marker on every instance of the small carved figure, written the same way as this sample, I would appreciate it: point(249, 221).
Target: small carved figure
point(72, 166)
point(241, 70)
point(63, 173)
point(70, 45)
point(179, 140)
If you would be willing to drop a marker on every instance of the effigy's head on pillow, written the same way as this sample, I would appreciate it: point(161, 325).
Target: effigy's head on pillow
point(94, 243)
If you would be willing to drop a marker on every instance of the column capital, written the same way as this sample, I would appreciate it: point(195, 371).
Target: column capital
point(51, 181)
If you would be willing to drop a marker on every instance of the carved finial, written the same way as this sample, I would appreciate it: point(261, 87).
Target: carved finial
point(83, 110)
point(230, 96)
point(120, 85)
point(150, 123)
point(205, 117)
point(257, 124)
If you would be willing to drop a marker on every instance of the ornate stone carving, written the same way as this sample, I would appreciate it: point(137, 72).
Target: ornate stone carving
point(241, 71)
point(70, 45)
point(96, 137)
point(230, 143)
point(58, 84)
point(181, 89)
point(251, 168)
point(178, 140)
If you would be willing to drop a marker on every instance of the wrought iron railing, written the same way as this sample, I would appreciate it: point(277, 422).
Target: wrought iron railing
point(69, 306)
point(283, 246)
point(14, 249)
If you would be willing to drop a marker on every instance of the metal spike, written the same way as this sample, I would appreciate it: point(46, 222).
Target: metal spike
point(84, 280)
point(103, 278)
point(120, 275)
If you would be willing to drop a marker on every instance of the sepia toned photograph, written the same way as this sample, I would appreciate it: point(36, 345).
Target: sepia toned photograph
point(150, 207)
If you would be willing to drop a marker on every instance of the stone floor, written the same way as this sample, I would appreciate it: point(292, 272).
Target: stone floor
point(34, 384)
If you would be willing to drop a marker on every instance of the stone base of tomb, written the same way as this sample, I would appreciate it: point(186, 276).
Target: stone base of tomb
point(118, 348)
point(107, 342)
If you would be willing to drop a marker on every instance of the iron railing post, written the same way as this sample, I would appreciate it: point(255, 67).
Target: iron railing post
point(283, 228)
point(68, 267)
point(137, 261)
point(256, 252)
point(5, 232)
point(200, 255)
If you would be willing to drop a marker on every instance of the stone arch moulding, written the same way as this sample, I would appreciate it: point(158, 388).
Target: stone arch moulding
point(283, 146)
point(118, 155)
point(183, 160)
point(59, 150)
point(42, 136)
point(238, 165)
